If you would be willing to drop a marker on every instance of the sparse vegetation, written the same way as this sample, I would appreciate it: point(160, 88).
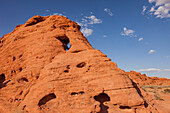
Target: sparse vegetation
point(158, 98)
point(156, 89)
point(166, 91)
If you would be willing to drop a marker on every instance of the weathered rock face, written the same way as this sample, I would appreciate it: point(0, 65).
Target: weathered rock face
point(39, 73)
point(142, 79)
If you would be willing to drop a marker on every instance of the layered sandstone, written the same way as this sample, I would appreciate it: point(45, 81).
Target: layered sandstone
point(39, 73)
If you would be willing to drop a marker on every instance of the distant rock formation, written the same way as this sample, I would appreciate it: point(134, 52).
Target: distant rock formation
point(40, 73)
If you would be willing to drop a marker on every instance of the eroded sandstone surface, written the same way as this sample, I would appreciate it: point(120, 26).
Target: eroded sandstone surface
point(40, 73)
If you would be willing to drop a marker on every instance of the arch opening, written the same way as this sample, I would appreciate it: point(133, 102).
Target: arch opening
point(65, 41)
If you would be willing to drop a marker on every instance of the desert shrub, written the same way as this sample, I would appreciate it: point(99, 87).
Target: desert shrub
point(158, 98)
point(166, 91)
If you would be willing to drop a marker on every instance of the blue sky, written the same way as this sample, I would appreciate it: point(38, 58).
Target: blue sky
point(133, 33)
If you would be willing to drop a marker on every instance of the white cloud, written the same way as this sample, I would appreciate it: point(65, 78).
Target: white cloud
point(149, 69)
point(88, 21)
point(140, 39)
point(128, 32)
point(159, 2)
point(144, 9)
point(93, 20)
point(87, 32)
point(108, 11)
point(58, 14)
point(151, 51)
point(161, 9)
point(104, 36)
point(153, 70)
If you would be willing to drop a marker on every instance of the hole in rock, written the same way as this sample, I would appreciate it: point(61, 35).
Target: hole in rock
point(102, 97)
point(124, 107)
point(66, 71)
point(46, 98)
point(2, 78)
point(20, 69)
point(74, 26)
point(1, 41)
point(80, 65)
point(23, 80)
point(77, 93)
point(68, 46)
point(81, 92)
point(74, 93)
point(65, 41)
point(37, 77)
point(14, 58)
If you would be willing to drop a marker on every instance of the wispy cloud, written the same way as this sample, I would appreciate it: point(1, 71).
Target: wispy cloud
point(104, 36)
point(47, 10)
point(128, 32)
point(153, 70)
point(87, 32)
point(108, 11)
point(88, 21)
point(62, 14)
point(161, 8)
point(167, 56)
point(92, 20)
point(144, 9)
point(140, 39)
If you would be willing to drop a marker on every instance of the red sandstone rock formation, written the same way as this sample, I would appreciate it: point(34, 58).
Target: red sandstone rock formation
point(39, 73)
point(142, 79)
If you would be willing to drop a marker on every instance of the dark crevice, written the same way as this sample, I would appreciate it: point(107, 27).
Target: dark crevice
point(21, 80)
point(14, 58)
point(66, 71)
point(77, 51)
point(20, 56)
point(21, 93)
point(81, 65)
point(2, 79)
point(68, 66)
point(124, 107)
point(139, 92)
point(46, 98)
point(7, 82)
point(24, 107)
point(37, 77)
point(20, 69)
point(102, 97)
point(77, 93)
